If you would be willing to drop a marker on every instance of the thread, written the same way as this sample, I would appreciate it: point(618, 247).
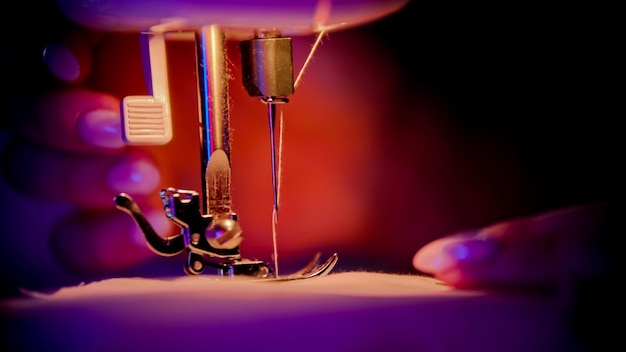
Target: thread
point(279, 168)
point(318, 41)
point(278, 177)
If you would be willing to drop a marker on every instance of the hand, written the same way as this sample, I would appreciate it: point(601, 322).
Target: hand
point(557, 249)
point(63, 159)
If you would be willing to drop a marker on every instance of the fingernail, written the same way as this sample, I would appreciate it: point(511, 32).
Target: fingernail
point(471, 250)
point(432, 259)
point(449, 252)
point(134, 177)
point(61, 62)
point(101, 128)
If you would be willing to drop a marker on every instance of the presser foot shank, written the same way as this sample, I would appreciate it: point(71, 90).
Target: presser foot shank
point(211, 240)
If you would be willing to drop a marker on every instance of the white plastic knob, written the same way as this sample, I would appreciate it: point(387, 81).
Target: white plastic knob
point(147, 120)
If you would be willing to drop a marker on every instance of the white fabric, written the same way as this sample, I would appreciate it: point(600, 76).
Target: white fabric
point(343, 311)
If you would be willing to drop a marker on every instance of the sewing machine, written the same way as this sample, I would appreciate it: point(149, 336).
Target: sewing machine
point(350, 311)
point(209, 230)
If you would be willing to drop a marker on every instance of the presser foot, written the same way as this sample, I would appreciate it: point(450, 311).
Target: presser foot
point(262, 270)
point(211, 240)
point(313, 269)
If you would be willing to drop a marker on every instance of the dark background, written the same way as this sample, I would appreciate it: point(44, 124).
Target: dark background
point(544, 76)
point(549, 79)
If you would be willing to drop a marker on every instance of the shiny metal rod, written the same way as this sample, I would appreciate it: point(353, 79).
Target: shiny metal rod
point(213, 103)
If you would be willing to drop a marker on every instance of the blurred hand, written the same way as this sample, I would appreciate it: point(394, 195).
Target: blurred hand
point(553, 250)
point(64, 160)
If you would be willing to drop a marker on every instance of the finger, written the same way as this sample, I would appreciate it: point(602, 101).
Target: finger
point(77, 120)
point(103, 243)
point(536, 252)
point(85, 180)
point(472, 262)
point(69, 58)
point(25, 63)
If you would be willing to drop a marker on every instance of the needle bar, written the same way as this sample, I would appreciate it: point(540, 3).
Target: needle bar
point(214, 113)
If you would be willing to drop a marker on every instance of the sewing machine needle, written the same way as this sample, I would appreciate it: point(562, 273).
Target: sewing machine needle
point(271, 114)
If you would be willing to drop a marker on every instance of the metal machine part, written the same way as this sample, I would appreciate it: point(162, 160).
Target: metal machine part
point(267, 68)
point(210, 232)
point(267, 65)
point(209, 240)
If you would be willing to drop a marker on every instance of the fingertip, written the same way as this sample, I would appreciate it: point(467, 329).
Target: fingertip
point(61, 62)
point(475, 251)
point(76, 120)
point(443, 253)
point(134, 175)
point(101, 128)
point(70, 58)
point(88, 181)
point(432, 259)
